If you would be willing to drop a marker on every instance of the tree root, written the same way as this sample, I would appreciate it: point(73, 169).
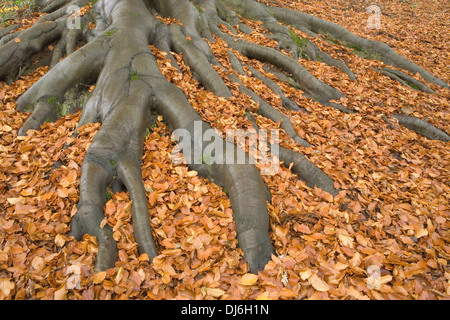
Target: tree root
point(285, 37)
point(286, 102)
point(18, 49)
point(266, 110)
point(16, 53)
point(422, 127)
point(305, 169)
point(406, 80)
point(320, 26)
point(308, 83)
point(4, 32)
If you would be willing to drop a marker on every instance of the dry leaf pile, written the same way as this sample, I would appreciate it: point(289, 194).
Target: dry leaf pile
point(396, 183)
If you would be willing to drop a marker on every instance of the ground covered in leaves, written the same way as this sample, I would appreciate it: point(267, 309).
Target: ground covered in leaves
point(396, 182)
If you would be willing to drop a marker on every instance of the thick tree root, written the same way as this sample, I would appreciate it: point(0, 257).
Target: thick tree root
point(17, 50)
point(283, 35)
point(266, 110)
point(308, 83)
point(15, 54)
point(422, 127)
point(406, 80)
point(286, 102)
point(243, 181)
point(81, 67)
point(121, 58)
point(305, 169)
point(5, 31)
point(320, 26)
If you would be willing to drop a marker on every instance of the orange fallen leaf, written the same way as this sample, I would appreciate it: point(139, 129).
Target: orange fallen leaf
point(63, 192)
point(318, 283)
point(61, 294)
point(99, 277)
point(59, 240)
point(6, 286)
point(345, 240)
point(215, 292)
point(249, 279)
point(144, 257)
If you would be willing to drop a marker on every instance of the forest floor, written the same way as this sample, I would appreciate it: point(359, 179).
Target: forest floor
point(394, 243)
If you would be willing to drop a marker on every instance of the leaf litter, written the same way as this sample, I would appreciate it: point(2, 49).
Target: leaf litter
point(395, 182)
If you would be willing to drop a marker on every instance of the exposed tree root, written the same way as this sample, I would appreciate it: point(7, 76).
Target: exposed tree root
point(285, 37)
point(271, 113)
point(305, 169)
point(308, 83)
point(129, 85)
point(18, 49)
point(287, 103)
point(422, 127)
point(320, 26)
point(4, 32)
point(29, 42)
point(405, 79)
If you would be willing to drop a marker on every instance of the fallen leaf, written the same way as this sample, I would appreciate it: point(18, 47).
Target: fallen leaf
point(61, 294)
point(59, 240)
point(215, 292)
point(263, 296)
point(37, 263)
point(318, 283)
point(6, 286)
point(249, 279)
point(421, 233)
point(99, 277)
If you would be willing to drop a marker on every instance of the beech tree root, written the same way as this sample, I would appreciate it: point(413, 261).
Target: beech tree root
point(422, 127)
point(129, 86)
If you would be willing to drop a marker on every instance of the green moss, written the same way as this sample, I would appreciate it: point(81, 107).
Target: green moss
point(413, 85)
point(370, 55)
point(333, 40)
point(199, 9)
point(303, 54)
point(206, 159)
point(299, 41)
point(62, 110)
point(360, 52)
point(113, 163)
point(110, 32)
point(53, 100)
point(317, 97)
point(293, 83)
point(30, 107)
point(134, 76)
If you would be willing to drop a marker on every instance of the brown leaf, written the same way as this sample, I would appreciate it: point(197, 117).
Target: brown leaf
point(99, 277)
point(249, 279)
point(215, 292)
point(318, 283)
